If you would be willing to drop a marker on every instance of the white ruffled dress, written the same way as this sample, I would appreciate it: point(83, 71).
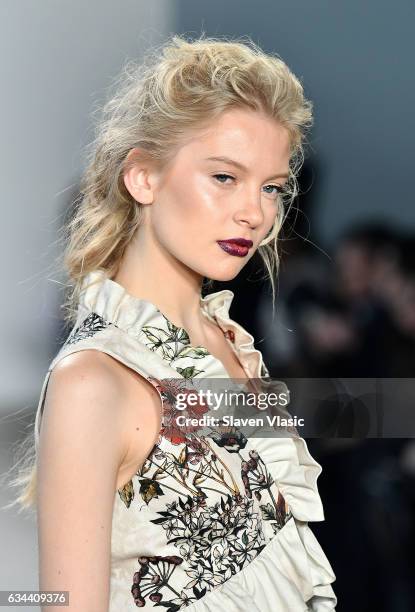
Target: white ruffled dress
point(212, 523)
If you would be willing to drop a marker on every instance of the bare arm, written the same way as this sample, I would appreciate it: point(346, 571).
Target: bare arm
point(83, 441)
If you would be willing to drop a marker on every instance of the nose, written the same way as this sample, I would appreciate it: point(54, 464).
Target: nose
point(251, 212)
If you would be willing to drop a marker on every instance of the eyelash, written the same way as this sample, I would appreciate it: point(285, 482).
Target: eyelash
point(280, 189)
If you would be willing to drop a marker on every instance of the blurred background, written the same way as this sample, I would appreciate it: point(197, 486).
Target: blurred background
point(346, 289)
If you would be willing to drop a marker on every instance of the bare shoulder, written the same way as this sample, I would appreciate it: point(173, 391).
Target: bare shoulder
point(95, 372)
point(83, 410)
point(88, 368)
point(124, 401)
point(84, 385)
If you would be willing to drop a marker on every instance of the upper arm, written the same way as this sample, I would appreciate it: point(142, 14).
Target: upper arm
point(81, 446)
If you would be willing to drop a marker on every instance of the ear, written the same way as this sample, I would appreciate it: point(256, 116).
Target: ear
point(138, 177)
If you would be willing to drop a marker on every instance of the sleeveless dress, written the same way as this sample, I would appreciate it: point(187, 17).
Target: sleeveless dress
point(208, 523)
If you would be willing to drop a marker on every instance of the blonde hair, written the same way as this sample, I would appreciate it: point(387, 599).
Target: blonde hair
point(178, 87)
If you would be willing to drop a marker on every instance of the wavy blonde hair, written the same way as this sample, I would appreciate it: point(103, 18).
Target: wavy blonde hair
point(179, 87)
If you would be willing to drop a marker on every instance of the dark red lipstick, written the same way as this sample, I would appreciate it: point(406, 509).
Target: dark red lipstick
point(236, 246)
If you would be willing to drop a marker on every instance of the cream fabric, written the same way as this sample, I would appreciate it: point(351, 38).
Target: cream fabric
point(206, 524)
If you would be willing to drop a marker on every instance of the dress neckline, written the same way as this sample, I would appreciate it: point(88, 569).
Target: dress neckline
point(112, 302)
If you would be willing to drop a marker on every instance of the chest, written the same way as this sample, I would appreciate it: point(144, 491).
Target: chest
point(221, 345)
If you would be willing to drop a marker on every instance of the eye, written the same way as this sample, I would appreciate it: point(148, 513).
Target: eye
point(222, 175)
point(278, 189)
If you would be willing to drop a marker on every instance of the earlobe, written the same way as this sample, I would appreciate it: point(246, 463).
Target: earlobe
point(136, 178)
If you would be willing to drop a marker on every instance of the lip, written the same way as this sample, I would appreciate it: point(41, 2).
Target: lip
point(236, 246)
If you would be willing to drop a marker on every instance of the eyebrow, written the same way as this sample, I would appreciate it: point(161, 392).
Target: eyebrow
point(233, 162)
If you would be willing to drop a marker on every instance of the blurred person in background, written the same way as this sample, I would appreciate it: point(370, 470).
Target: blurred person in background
point(357, 319)
point(396, 287)
point(366, 277)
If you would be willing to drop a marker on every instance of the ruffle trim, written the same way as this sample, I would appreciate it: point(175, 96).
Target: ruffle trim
point(295, 471)
point(113, 303)
point(287, 458)
point(217, 305)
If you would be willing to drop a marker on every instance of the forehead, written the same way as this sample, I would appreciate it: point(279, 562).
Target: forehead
point(242, 134)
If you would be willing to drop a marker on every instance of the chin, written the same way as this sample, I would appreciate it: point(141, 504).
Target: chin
point(223, 276)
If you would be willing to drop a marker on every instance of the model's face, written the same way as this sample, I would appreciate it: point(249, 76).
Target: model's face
point(201, 202)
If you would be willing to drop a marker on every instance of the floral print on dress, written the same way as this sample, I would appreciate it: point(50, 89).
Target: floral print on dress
point(256, 478)
point(173, 343)
point(215, 540)
point(154, 573)
point(220, 494)
point(169, 389)
point(92, 324)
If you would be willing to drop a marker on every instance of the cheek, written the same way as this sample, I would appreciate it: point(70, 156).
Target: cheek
point(172, 211)
point(271, 216)
point(189, 204)
point(184, 210)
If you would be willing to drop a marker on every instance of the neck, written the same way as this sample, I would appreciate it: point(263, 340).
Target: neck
point(149, 272)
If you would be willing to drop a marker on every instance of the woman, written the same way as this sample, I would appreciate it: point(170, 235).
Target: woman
point(195, 156)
